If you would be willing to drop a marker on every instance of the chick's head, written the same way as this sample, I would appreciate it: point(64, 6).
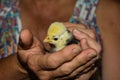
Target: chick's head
point(55, 30)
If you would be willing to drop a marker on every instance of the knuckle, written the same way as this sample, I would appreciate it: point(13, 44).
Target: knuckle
point(81, 61)
point(66, 55)
point(84, 35)
point(51, 62)
point(70, 52)
point(92, 34)
point(65, 71)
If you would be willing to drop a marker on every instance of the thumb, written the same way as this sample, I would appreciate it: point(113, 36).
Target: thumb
point(26, 39)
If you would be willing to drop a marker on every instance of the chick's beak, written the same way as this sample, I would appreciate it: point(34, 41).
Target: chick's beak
point(47, 40)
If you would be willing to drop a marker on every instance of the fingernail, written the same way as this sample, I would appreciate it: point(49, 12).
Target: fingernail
point(91, 55)
point(77, 31)
point(76, 50)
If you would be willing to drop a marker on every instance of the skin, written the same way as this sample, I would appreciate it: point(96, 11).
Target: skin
point(35, 14)
point(33, 54)
point(46, 15)
point(108, 20)
point(105, 19)
point(47, 66)
point(47, 61)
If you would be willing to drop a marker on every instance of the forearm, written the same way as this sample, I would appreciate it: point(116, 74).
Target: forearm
point(111, 63)
point(10, 69)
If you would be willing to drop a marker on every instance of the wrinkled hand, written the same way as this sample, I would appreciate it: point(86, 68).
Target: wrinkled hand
point(81, 32)
point(65, 63)
point(87, 39)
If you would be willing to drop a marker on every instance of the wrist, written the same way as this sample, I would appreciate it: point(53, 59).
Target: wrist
point(10, 69)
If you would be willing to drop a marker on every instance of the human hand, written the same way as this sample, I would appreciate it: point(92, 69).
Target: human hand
point(66, 62)
point(87, 40)
point(82, 33)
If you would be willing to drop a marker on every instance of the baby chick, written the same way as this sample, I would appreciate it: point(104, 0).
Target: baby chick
point(58, 36)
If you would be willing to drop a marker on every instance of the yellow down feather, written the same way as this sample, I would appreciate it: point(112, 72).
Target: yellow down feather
point(58, 35)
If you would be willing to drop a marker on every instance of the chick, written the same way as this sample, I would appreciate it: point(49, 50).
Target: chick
point(58, 36)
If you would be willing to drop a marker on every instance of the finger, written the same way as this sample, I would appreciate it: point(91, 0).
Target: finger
point(44, 75)
point(68, 25)
point(26, 39)
point(82, 69)
point(91, 42)
point(88, 66)
point(22, 56)
point(89, 32)
point(86, 76)
point(80, 27)
point(78, 61)
point(84, 44)
point(25, 54)
point(56, 59)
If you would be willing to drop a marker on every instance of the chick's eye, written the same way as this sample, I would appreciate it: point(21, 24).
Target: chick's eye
point(55, 39)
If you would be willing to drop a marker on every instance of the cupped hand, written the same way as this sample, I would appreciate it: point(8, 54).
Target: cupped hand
point(81, 32)
point(87, 40)
point(62, 64)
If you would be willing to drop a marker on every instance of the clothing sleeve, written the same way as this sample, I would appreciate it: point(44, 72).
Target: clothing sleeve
point(84, 13)
point(10, 27)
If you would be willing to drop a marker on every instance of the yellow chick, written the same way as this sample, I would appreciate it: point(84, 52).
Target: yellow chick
point(58, 36)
